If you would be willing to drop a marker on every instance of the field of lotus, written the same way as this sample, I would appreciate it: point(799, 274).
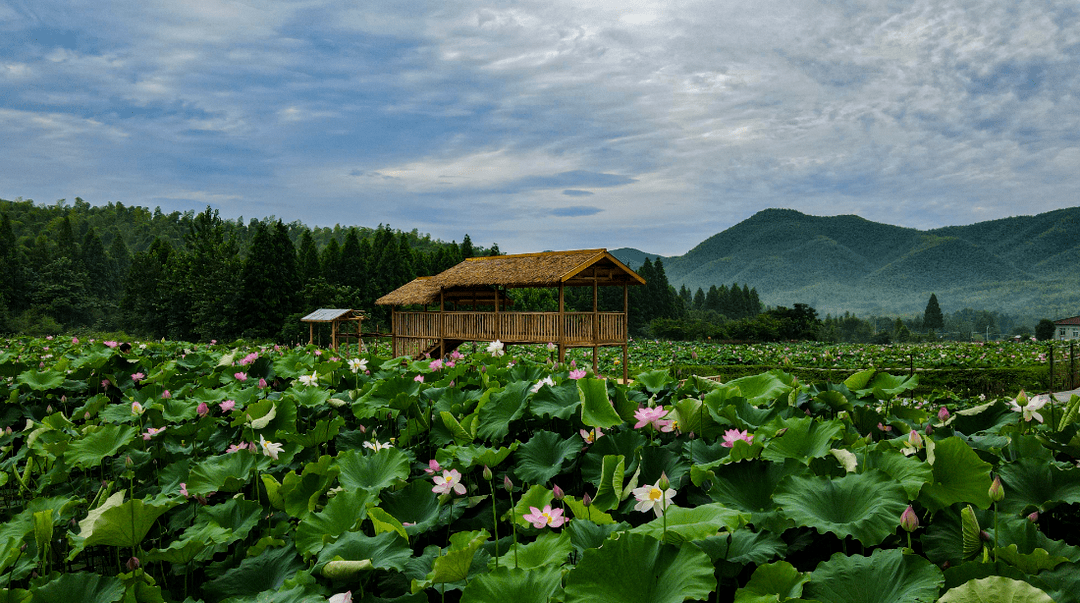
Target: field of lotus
point(169, 472)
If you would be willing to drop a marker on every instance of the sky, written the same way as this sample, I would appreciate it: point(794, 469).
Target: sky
point(545, 124)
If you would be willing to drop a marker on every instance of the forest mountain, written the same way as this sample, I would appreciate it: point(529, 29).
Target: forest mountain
point(1024, 265)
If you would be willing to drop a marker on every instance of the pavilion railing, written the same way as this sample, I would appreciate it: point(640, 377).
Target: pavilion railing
point(574, 328)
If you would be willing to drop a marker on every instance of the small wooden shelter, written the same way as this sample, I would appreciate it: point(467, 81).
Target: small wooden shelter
point(480, 283)
point(338, 319)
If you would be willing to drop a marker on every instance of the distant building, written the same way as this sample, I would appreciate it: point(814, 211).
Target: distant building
point(1067, 328)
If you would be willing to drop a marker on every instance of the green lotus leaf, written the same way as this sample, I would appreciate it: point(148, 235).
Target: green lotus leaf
point(308, 397)
point(696, 523)
point(654, 381)
point(590, 513)
point(596, 407)
point(323, 431)
point(97, 443)
point(550, 549)
point(983, 418)
point(637, 568)
point(943, 540)
point(764, 388)
point(995, 589)
point(342, 513)
point(866, 506)
point(1062, 583)
point(886, 576)
point(80, 586)
point(460, 434)
point(911, 472)
point(625, 443)
point(1032, 484)
point(455, 563)
point(300, 494)
point(744, 546)
point(860, 379)
point(387, 550)
point(967, 571)
point(585, 534)
point(778, 581)
point(502, 408)
point(558, 402)
point(959, 476)
point(266, 571)
point(542, 457)
point(372, 471)
point(474, 455)
point(224, 473)
point(804, 439)
point(885, 386)
point(519, 585)
point(692, 417)
point(384, 522)
point(41, 380)
point(749, 486)
point(415, 504)
point(122, 524)
point(1029, 563)
point(609, 492)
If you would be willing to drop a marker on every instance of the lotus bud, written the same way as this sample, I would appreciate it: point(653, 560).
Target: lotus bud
point(984, 536)
point(165, 395)
point(202, 410)
point(664, 483)
point(509, 485)
point(908, 520)
point(943, 414)
point(929, 429)
point(557, 492)
point(1021, 399)
point(586, 500)
point(128, 462)
point(488, 475)
point(997, 492)
point(1033, 517)
point(133, 564)
point(915, 439)
point(49, 409)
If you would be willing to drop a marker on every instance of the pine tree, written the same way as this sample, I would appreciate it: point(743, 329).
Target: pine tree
point(932, 316)
point(308, 258)
point(330, 260)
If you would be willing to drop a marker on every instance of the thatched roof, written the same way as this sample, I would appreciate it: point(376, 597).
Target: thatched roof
point(472, 277)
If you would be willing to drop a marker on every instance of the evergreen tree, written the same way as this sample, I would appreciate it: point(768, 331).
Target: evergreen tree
point(331, 262)
point(120, 260)
point(932, 316)
point(467, 250)
point(712, 299)
point(308, 258)
point(144, 305)
point(271, 282)
point(686, 296)
point(1045, 330)
point(699, 299)
point(210, 272)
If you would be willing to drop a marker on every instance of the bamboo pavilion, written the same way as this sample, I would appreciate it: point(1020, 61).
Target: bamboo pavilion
point(468, 302)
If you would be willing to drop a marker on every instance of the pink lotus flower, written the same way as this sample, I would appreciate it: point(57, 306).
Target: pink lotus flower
point(654, 417)
point(433, 467)
point(345, 597)
point(165, 395)
point(151, 432)
point(733, 435)
point(137, 377)
point(591, 435)
point(105, 383)
point(111, 344)
point(252, 357)
point(183, 489)
point(228, 405)
point(436, 364)
point(202, 409)
point(237, 447)
point(74, 341)
point(418, 379)
point(136, 408)
point(449, 480)
point(577, 374)
point(240, 376)
point(262, 383)
point(546, 517)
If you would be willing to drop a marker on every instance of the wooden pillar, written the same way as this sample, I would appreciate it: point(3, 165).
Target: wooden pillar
point(441, 325)
point(562, 325)
point(626, 330)
point(333, 334)
point(393, 331)
point(311, 333)
point(498, 323)
point(595, 323)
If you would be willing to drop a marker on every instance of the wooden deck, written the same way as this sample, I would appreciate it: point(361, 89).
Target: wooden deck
point(415, 332)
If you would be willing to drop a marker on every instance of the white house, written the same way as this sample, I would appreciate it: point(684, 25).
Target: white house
point(1067, 328)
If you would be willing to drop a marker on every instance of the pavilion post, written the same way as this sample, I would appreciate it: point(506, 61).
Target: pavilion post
point(626, 331)
point(562, 325)
point(595, 323)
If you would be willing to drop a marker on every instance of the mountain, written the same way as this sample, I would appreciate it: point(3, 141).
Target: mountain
point(1024, 265)
point(634, 258)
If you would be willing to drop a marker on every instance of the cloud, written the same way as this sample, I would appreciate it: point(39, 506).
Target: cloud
point(576, 211)
point(675, 119)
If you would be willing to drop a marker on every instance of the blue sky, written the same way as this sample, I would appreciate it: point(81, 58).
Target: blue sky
point(547, 124)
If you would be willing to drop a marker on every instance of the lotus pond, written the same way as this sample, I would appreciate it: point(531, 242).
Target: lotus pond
point(173, 472)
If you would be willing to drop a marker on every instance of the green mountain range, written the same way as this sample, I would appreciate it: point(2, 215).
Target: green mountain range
point(1024, 265)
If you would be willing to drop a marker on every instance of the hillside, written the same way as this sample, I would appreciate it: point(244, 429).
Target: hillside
point(1022, 265)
